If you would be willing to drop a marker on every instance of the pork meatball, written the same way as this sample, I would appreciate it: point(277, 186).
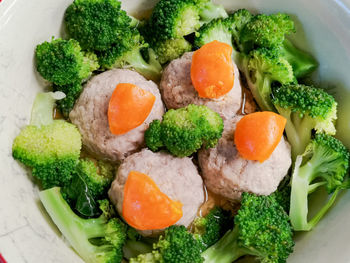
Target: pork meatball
point(177, 89)
point(90, 115)
point(178, 178)
point(228, 174)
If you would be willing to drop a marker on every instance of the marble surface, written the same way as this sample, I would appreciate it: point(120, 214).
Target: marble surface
point(26, 233)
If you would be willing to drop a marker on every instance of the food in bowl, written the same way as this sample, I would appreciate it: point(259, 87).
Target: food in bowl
point(204, 142)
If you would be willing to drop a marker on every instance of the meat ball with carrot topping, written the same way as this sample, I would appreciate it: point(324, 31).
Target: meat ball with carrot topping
point(227, 173)
point(114, 133)
point(178, 90)
point(177, 178)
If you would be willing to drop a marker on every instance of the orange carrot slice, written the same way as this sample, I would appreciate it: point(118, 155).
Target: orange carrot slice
point(258, 134)
point(212, 70)
point(145, 207)
point(128, 107)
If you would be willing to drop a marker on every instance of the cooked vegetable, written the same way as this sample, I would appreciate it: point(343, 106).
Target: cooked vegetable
point(262, 229)
point(258, 134)
point(128, 107)
point(72, 92)
point(177, 245)
point(96, 24)
point(96, 239)
point(127, 53)
point(44, 147)
point(306, 109)
point(209, 229)
point(171, 20)
point(89, 184)
point(324, 163)
point(212, 71)
point(184, 131)
point(145, 207)
point(268, 31)
point(262, 67)
point(62, 61)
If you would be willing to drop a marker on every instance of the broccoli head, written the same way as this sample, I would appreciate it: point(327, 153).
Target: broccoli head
point(262, 229)
point(171, 49)
point(324, 163)
point(90, 182)
point(72, 92)
point(262, 68)
point(306, 109)
point(266, 31)
point(96, 24)
point(209, 229)
point(184, 131)
point(177, 245)
point(95, 240)
point(127, 53)
point(62, 61)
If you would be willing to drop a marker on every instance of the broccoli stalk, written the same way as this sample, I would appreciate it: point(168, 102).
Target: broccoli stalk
point(262, 67)
point(323, 164)
point(95, 240)
point(262, 229)
point(184, 131)
point(44, 147)
point(127, 54)
point(306, 109)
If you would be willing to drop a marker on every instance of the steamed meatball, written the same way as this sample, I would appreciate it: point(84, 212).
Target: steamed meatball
point(177, 89)
point(90, 115)
point(228, 174)
point(178, 178)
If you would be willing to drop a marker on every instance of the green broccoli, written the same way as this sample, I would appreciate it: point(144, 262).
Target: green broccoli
point(50, 147)
point(263, 67)
point(96, 24)
point(171, 20)
point(268, 31)
point(90, 182)
point(95, 240)
point(136, 244)
point(209, 229)
point(62, 61)
point(72, 92)
point(262, 229)
point(184, 131)
point(127, 53)
point(324, 163)
point(306, 109)
point(282, 195)
point(177, 245)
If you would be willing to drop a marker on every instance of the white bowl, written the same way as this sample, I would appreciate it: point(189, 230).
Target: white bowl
point(26, 234)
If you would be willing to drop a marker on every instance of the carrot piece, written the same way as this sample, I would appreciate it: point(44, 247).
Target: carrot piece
point(258, 134)
point(212, 71)
point(128, 107)
point(145, 207)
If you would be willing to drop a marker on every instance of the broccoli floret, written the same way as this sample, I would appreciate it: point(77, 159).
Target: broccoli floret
point(95, 240)
point(263, 67)
point(50, 147)
point(266, 31)
point(269, 32)
point(303, 63)
point(136, 244)
point(262, 229)
point(62, 61)
point(306, 109)
point(184, 131)
point(72, 92)
point(177, 245)
point(127, 54)
point(324, 163)
point(171, 20)
point(282, 196)
point(90, 182)
point(96, 24)
point(209, 229)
